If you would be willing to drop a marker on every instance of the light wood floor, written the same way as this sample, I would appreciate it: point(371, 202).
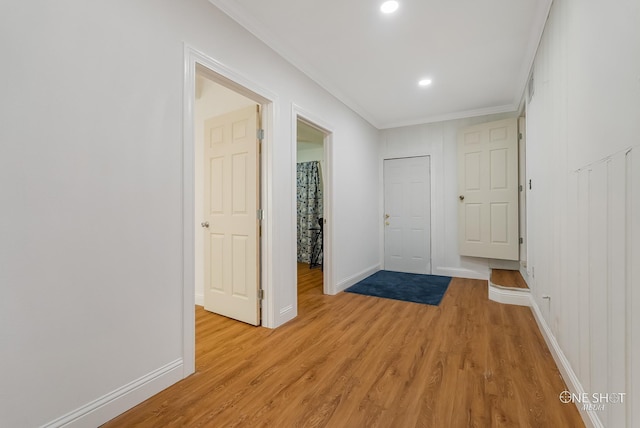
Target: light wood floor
point(508, 278)
point(358, 361)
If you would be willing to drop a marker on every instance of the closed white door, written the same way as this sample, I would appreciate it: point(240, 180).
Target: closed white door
point(230, 224)
point(407, 204)
point(488, 190)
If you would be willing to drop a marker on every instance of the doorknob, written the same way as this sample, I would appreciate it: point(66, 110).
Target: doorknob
point(205, 224)
point(461, 197)
point(387, 223)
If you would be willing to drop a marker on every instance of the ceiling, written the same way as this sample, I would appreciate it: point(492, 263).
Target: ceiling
point(477, 53)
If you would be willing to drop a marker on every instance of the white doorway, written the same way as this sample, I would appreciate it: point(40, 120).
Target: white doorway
point(407, 222)
point(227, 183)
point(198, 63)
point(313, 178)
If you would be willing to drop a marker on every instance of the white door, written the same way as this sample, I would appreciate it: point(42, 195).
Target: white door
point(407, 204)
point(230, 225)
point(488, 190)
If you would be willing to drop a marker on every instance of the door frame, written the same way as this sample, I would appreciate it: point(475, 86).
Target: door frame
point(522, 196)
point(431, 205)
point(298, 113)
point(235, 81)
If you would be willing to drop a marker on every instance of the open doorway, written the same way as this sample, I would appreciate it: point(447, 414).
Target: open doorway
point(312, 207)
point(198, 63)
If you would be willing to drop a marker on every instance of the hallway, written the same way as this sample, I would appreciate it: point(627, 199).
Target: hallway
point(358, 361)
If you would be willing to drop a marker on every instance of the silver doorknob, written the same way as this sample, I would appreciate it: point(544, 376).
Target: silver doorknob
point(461, 197)
point(204, 224)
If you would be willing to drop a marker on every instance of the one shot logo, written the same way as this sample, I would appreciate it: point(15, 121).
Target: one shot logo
point(595, 401)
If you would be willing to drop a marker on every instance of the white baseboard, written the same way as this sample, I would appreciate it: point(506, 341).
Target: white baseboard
point(504, 264)
point(509, 296)
point(354, 279)
point(122, 399)
point(590, 418)
point(199, 299)
point(284, 312)
point(525, 275)
point(460, 273)
point(284, 315)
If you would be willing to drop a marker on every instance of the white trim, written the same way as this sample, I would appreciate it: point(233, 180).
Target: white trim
point(504, 264)
point(188, 215)
point(509, 296)
point(507, 108)
point(120, 400)
point(460, 273)
point(524, 273)
point(199, 299)
point(590, 418)
point(354, 279)
point(285, 312)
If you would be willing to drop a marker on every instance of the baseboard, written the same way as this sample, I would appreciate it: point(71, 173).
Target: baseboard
point(590, 418)
point(354, 279)
point(122, 399)
point(284, 312)
point(509, 296)
point(199, 299)
point(525, 275)
point(461, 273)
point(504, 264)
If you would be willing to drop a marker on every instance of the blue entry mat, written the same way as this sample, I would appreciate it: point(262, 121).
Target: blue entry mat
point(410, 287)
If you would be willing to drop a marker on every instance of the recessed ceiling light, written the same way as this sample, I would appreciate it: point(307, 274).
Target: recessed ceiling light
point(425, 82)
point(389, 6)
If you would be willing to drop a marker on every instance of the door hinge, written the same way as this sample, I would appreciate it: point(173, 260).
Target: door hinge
point(519, 135)
point(260, 294)
point(520, 187)
point(522, 240)
point(260, 214)
point(260, 134)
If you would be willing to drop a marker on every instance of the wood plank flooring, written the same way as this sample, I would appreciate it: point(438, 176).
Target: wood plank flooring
point(358, 361)
point(508, 278)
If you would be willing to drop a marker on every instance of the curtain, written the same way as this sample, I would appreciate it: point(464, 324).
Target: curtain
point(309, 201)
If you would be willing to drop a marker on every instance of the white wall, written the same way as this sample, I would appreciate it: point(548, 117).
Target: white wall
point(583, 157)
point(310, 154)
point(91, 190)
point(440, 142)
point(212, 100)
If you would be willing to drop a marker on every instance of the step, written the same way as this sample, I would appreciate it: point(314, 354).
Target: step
point(509, 287)
point(508, 278)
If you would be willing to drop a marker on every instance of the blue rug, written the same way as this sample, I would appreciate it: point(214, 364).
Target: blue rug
point(410, 287)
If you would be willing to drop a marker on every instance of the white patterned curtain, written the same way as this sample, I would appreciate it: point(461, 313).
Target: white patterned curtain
point(309, 196)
